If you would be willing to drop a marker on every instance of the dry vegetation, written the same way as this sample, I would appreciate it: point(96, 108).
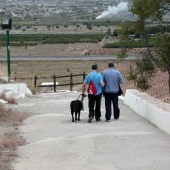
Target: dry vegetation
point(50, 49)
point(3, 73)
point(10, 100)
point(46, 69)
point(9, 138)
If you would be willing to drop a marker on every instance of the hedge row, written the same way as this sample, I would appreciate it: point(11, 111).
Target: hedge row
point(28, 39)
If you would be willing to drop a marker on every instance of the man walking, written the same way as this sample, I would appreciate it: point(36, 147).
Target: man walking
point(112, 79)
point(94, 102)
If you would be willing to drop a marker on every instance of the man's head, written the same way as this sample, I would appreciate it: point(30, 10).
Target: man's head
point(110, 64)
point(94, 67)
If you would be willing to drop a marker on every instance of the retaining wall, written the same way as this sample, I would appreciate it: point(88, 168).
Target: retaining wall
point(152, 109)
point(19, 89)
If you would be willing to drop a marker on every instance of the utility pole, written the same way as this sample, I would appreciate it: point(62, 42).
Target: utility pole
point(8, 55)
point(6, 25)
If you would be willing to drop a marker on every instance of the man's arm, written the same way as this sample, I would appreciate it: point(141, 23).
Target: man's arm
point(83, 88)
point(102, 83)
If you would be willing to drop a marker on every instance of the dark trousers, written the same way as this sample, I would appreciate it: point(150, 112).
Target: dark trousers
point(109, 99)
point(95, 105)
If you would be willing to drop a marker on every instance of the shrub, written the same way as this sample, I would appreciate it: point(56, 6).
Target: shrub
point(10, 100)
point(9, 116)
point(2, 96)
point(9, 140)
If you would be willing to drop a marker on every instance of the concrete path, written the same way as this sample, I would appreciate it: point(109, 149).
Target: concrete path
point(55, 143)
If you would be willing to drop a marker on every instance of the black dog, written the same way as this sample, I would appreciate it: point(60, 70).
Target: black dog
point(76, 107)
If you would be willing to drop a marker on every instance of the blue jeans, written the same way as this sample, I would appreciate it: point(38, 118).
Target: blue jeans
point(111, 98)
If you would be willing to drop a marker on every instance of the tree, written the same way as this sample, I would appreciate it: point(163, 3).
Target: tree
point(150, 9)
point(108, 33)
point(124, 39)
point(48, 26)
point(115, 33)
point(159, 55)
point(89, 27)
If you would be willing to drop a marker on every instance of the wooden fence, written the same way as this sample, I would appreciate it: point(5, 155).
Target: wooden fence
point(54, 78)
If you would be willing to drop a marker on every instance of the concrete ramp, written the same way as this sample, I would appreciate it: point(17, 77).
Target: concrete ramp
point(55, 143)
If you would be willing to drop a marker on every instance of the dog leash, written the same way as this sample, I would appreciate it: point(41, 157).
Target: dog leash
point(82, 98)
point(79, 96)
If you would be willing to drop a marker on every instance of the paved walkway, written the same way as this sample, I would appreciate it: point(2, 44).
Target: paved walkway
point(55, 143)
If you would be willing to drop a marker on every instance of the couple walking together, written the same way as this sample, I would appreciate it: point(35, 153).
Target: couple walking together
point(108, 84)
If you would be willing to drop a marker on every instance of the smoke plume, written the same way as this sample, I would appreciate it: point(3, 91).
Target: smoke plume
point(114, 10)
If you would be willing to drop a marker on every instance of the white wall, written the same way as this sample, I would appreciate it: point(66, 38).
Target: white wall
point(154, 110)
point(19, 89)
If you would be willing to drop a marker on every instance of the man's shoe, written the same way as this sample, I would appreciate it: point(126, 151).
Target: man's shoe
point(90, 119)
point(98, 120)
point(107, 120)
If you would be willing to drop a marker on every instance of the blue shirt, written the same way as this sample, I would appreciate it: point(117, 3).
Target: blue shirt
point(97, 79)
point(112, 78)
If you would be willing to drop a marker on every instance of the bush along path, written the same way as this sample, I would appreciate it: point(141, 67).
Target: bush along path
point(9, 136)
